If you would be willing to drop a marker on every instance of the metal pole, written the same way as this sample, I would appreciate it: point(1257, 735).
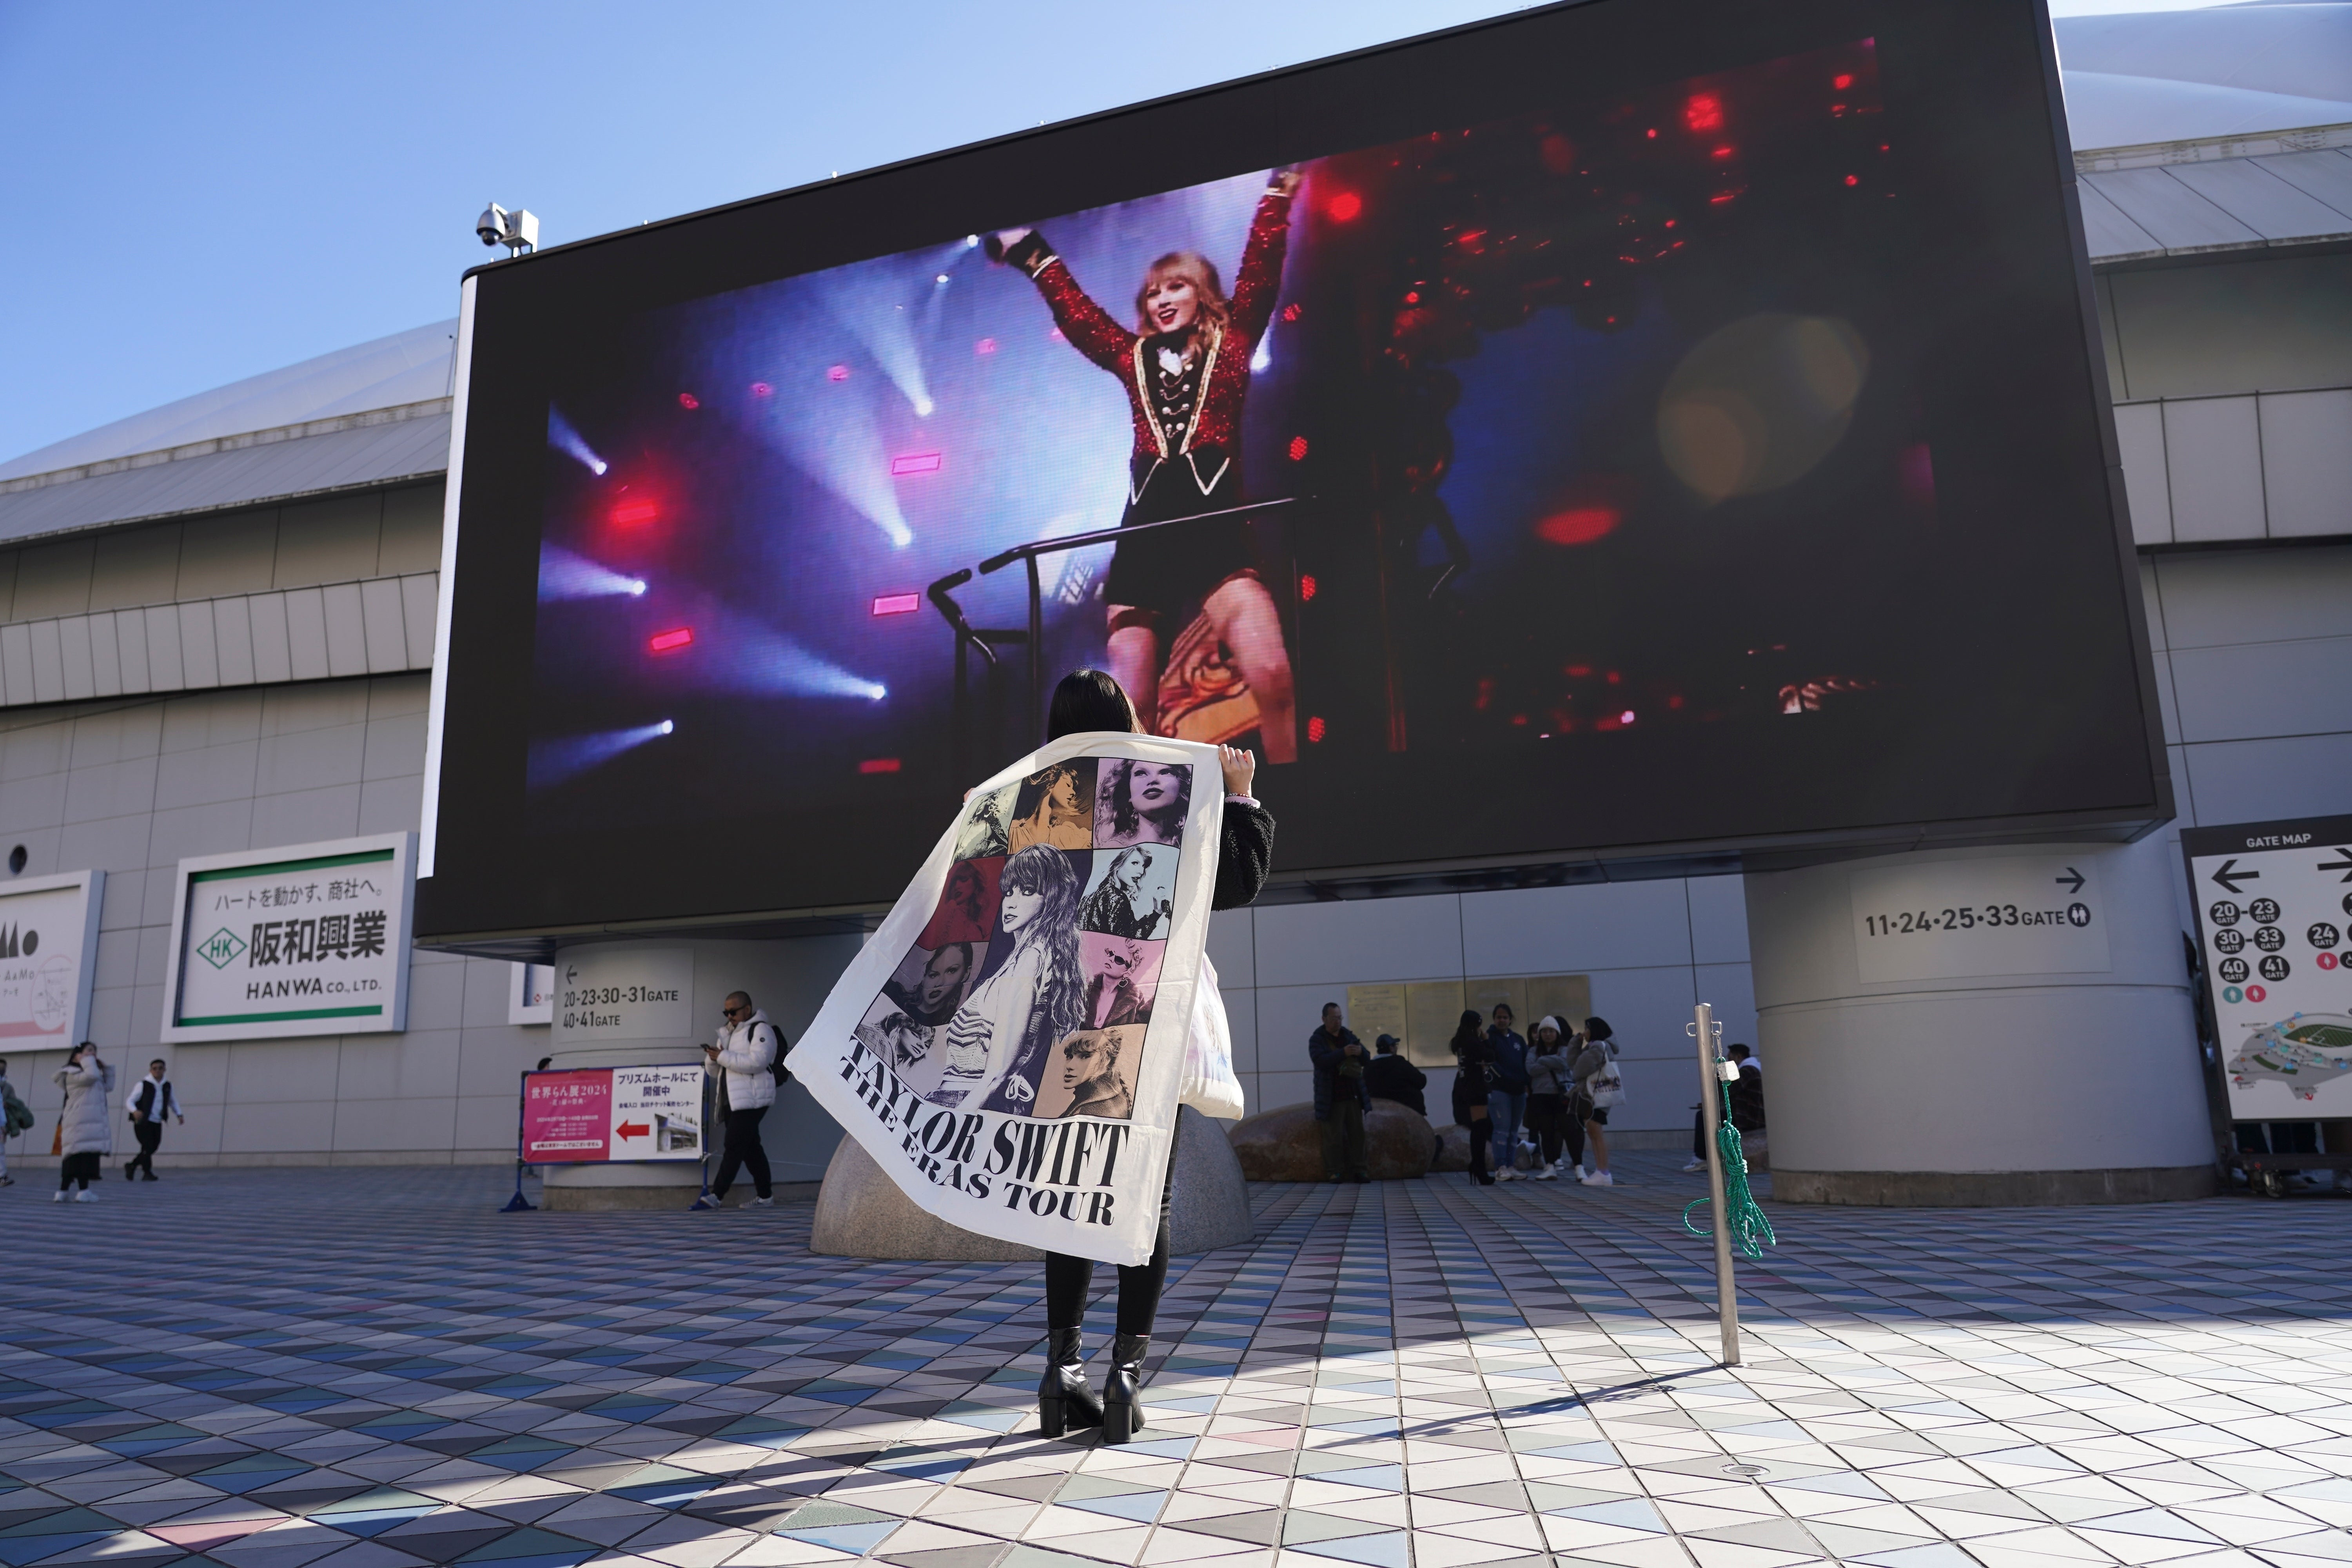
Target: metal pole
point(1036, 714)
point(1726, 1293)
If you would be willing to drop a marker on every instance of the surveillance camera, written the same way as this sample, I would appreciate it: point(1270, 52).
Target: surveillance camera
point(491, 225)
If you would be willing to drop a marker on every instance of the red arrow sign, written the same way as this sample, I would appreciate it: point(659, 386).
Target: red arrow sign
point(632, 1130)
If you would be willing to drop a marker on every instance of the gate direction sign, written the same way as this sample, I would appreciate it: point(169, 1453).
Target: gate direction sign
point(575, 1116)
point(2274, 905)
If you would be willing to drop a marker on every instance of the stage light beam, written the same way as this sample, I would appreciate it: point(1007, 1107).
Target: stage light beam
point(562, 757)
point(565, 440)
point(563, 574)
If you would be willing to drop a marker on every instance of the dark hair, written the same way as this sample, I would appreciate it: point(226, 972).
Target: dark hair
point(1469, 1031)
point(1597, 1028)
point(1386, 1045)
point(1328, 1005)
point(1740, 1053)
point(1089, 699)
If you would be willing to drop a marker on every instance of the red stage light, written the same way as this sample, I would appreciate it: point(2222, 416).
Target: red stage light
point(838, 372)
point(1842, 83)
point(1614, 678)
point(1578, 671)
point(1723, 151)
point(672, 640)
point(1306, 588)
point(1344, 206)
point(1299, 449)
point(879, 765)
point(688, 400)
point(896, 603)
point(914, 463)
point(1290, 312)
point(985, 346)
point(636, 511)
point(1703, 112)
point(1579, 525)
point(761, 389)
point(1315, 730)
point(1854, 179)
point(1651, 134)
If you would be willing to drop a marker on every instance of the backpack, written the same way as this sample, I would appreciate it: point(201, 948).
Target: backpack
point(776, 1067)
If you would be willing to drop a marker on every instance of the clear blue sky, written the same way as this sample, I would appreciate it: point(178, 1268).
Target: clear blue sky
point(194, 194)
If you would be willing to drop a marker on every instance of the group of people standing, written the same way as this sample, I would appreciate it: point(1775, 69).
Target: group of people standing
point(1559, 1087)
point(85, 1129)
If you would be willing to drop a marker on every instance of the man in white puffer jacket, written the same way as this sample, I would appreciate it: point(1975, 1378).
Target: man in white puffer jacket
point(744, 1061)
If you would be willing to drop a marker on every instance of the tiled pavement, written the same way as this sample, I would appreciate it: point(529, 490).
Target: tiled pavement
point(371, 1368)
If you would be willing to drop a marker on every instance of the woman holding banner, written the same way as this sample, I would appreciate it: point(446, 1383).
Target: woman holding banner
point(1091, 700)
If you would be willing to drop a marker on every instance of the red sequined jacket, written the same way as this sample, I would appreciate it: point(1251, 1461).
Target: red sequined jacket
point(1225, 380)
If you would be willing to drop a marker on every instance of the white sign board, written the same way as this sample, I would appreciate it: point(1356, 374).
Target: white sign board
point(2008, 914)
point(308, 939)
point(531, 993)
point(612, 995)
point(48, 952)
point(2274, 924)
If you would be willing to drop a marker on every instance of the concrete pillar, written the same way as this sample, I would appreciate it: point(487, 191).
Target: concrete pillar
point(2033, 1044)
point(788, 979)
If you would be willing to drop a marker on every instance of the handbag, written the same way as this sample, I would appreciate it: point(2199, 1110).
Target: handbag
point(1209, 1084)
point(57, 1138)
point(1607, 1088)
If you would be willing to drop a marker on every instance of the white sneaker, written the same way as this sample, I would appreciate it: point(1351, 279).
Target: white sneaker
point(1546, 1175)
point(757, 1203)
point(1695, 1165)
point(1599, 1179)
point(59, 1196)
point(1506, 1175)
point(85, 1197)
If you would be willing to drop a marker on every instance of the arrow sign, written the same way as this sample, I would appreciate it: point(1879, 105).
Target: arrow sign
point(571, 972)
point(2229, 876)
point(632, 1130)
point(2344, 865)
point(2072, 881)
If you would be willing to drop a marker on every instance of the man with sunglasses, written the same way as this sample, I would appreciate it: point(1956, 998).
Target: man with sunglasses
point(744, 1062)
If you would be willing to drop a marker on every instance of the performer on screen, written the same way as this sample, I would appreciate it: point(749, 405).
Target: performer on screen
point(1186, 369)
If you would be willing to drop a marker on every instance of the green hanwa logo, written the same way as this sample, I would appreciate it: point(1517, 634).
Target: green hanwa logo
point(220, 949)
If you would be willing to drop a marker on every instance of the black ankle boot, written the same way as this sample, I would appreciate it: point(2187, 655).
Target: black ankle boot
point(1064, 1400)
point(1122, 1416)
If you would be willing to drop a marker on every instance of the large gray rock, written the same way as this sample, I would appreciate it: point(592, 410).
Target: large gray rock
point(1285, 1145)
point(861, 1212)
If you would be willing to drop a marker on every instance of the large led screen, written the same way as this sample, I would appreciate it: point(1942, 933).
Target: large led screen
point(1630, 427)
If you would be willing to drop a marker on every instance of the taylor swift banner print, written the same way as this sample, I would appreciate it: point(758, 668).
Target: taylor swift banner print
point(1009, 1045)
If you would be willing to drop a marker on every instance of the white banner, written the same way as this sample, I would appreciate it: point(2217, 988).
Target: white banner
point(1009, 1046)
point(307, 939)
point(48, 947)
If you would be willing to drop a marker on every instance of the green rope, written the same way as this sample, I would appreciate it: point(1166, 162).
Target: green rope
point(1751, 1231)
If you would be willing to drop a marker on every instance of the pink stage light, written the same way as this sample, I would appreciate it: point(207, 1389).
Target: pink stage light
point(985, 346)
point(914, 463)
point(761, 389)
point(672, 640)
point(838, 372)
point(896, 603)
point(879, 765)
point(688, 400)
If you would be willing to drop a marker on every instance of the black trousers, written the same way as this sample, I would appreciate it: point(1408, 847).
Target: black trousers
point(743, 1150)
point(1066, 1279)
point(83, 1168)
point(149, 1135)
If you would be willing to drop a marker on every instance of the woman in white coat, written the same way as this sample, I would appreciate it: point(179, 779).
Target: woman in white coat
point(1091, 700)
point(88, 1135)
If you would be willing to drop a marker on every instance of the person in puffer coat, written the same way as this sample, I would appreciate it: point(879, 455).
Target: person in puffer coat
point(88, 1132)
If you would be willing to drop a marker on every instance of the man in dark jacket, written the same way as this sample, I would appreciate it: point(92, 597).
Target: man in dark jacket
point(1341, 1097)
point(1507, 1102)
point(1388, 1076)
